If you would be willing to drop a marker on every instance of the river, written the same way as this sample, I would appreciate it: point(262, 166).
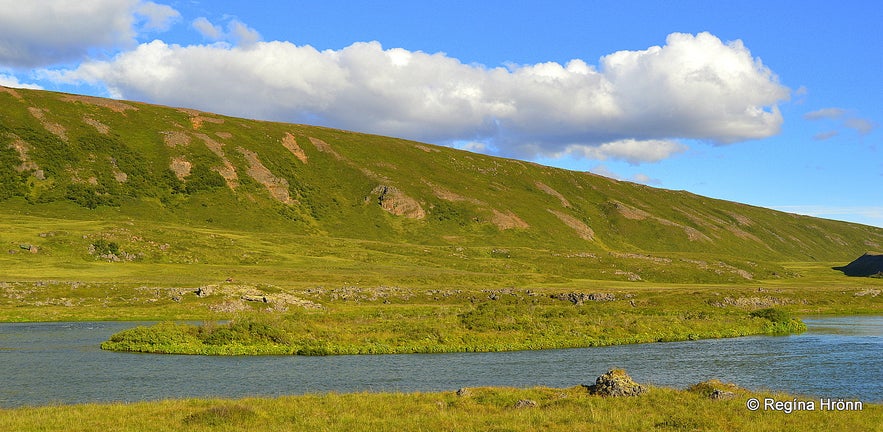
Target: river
point(61, 363)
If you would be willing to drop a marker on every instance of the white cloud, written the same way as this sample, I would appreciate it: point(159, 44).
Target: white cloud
point(156, 17)
point(207, 29)
point(860, 125)
point(237, 32)
point(634, 106)
point(825, 113)
point(821, 136)
point(629, 150)
point(34, 33)
point(12, 81)
point(846, 118)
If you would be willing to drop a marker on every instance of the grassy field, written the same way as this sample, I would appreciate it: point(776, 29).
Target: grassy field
point(486, 409)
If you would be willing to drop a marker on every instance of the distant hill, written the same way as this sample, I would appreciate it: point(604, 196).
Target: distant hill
point(869, 264)
point(76, 154)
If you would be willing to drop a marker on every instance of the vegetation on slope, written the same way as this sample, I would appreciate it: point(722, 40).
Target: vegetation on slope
point(125, 161)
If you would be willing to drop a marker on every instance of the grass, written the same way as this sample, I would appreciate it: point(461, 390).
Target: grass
point(556, 409)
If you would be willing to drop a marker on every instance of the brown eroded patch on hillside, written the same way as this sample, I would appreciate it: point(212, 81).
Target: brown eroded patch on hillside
point(197, 118)
point(451, 196)
point(547, 189)
point(55, 128)
point(630, 212)
point(324, 147)
point(290, 142)
point(277, 186)
point(100, 127)
point(427, 149)
point(11, 91)
point(741, 219)
point(507, 220)
point(181, 167)
point(22, 148)
point(228, 171)
point(175, 138)
point(113, 105)
point(584, 231)
point(394, 201)
point(119, 175)
point(224, 135)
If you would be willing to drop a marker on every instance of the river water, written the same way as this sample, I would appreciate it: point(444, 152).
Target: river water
point(50, 363)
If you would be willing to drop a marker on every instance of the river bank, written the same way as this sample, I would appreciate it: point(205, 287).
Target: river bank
point(555, 409)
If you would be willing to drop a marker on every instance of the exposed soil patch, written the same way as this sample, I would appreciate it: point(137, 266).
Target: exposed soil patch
point(324, 147)
point(55, 128)
point(10, 91)
point(111, 104)
point(630, 212)
point(290, 142)
point(277, 186)
point(100, 127)
point(228, 171)
point(224, 135)
point(175, 138)
point(23, 148)
point(451, 196)
point(393, 200)
point(547, 189)
point(427, 149)
point(181, 167)
point(508, 220)
point(582, 230)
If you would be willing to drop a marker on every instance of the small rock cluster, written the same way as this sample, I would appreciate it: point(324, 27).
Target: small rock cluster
point(615, 383)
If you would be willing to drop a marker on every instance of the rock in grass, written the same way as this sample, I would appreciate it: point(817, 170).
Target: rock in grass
point(525, 403)
point(616, 383)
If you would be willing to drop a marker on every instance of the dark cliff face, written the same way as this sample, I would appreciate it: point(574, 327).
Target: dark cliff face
point(869, 264)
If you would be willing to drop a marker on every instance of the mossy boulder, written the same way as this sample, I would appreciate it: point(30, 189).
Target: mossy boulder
point(616, 383)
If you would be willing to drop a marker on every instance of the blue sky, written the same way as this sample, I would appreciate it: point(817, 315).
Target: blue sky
point(775, 104)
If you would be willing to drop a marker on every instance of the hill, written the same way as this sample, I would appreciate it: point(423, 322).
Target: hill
point(869, 264)
point(85, 180)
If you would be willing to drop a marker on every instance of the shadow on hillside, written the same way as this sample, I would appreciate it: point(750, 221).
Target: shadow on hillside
point(869, 264)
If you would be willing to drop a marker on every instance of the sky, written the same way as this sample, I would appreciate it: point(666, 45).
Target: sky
point(769, 103)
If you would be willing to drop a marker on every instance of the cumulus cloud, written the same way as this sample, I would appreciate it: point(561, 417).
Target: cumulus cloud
point(633, 106)
point(42, 33)
point(12, 81)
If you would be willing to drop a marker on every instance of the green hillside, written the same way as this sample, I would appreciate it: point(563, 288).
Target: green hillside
point(88, 183)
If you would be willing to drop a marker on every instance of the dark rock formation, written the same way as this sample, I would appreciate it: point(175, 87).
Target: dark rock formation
point(869, 264)
point(616, 383)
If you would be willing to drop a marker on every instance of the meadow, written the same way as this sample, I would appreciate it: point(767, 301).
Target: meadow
point(490, 409)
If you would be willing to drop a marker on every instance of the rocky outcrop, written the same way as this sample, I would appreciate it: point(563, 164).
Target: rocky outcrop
point(393, 200)
point(869, 264)
point(616, 383)
point(580, 298)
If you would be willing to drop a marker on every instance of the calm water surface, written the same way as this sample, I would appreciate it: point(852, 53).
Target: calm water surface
point(43, 363)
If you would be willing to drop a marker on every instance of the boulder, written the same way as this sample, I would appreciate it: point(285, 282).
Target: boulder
point(615, 383)
point(525, 403)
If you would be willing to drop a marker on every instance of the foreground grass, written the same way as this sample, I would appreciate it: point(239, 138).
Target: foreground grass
point(569, 409)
